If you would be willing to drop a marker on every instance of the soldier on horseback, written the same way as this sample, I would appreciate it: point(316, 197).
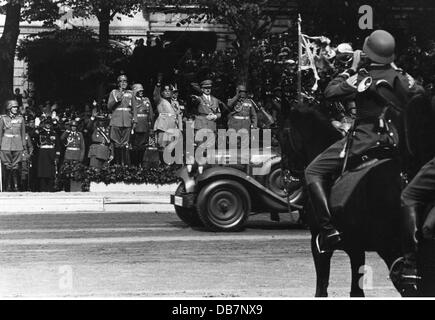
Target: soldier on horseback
point(373, 128)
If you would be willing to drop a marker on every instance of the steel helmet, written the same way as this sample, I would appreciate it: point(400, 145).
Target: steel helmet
point(379, 47)
point(11, 103)
point(137, 87)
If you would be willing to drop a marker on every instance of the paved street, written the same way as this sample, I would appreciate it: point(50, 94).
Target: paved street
point(153, 254)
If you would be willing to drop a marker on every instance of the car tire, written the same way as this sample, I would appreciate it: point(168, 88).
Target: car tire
point(274, 183)
point(224, 205)
point(187, 215)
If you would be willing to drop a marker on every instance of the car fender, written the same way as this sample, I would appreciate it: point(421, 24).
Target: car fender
point(273, 201)
point(266, 166)
point(189, 181)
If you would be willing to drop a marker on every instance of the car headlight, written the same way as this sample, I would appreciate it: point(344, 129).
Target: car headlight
point(189, 168)
point(200, 169)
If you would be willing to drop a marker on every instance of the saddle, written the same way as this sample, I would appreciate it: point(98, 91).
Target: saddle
point(377, 169)
point(370, 157)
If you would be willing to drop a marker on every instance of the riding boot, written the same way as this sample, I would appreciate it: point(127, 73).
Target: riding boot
point(15, 180)
point(7, 180)
point(127, 160)
point(24, 185)
point(133, 157)
point(329, 236)
point(117, 156)
point(140, 155)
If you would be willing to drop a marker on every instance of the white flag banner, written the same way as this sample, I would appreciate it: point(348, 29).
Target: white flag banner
point(314, 54)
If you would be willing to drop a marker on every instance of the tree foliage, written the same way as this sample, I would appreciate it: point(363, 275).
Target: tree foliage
point(248, 19)
point(67, 64)
point(16, 11)
point(104, 10)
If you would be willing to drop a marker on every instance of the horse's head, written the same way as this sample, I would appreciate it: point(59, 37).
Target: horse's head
point(311, 131)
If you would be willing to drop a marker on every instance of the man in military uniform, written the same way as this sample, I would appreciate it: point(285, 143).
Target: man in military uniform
point(120, 104)
point(48, 156)
point(169, 116)
point(101, 149)
point(74, 143)
point(371, 129)
point(242, 115)
point(208, 108)
point(12, 141)
point(208, 112)
point(143, 126)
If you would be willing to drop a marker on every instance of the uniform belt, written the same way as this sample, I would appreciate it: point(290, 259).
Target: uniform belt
point(123, 109)
point(241, 118)
point(8, 135)
point(167, 114)
point(73, 149)
point(46, 146)
point(142, 115)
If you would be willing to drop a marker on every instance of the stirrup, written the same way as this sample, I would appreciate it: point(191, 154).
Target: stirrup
point(318, 245)
point(337, 233)
point(405, 284)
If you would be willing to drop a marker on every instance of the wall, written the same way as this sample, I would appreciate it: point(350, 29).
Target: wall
point(134, 28)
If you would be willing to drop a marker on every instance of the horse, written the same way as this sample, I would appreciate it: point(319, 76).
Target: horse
point(364, 201)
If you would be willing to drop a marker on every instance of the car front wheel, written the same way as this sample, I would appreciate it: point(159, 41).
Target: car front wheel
point(223, 205)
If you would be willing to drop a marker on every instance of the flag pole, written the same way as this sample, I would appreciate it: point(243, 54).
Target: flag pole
point(299, 87)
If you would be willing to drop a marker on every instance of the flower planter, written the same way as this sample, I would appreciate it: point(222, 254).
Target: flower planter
point(75, 186)
point(131, 187)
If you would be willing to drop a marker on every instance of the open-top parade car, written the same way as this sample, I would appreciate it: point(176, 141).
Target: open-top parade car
point(221, 197)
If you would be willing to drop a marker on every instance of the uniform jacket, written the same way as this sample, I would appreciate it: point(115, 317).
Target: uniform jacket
point(206, 107)
point(48, 154)
point(169, 117)
point(368, 133)
point(75, 145)
point(28, 148)
point(243, 108)
point(48, 138)
point(144, 114)
point(12, 133)
point(120, 104)
point(101, 147)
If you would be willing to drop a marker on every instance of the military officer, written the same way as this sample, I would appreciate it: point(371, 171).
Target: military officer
point(12, 141)
point(74, 143)
point(101, 149)
point(168, 120)
point(243, 114)
point(143, 126)
point(371, 128)
point(123, 117)
point(208, 108)
point(48, 156)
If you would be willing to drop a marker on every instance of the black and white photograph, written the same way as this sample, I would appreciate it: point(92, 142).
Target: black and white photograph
point(231, 152)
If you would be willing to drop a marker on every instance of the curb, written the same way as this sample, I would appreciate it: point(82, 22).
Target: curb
point(63, 202)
